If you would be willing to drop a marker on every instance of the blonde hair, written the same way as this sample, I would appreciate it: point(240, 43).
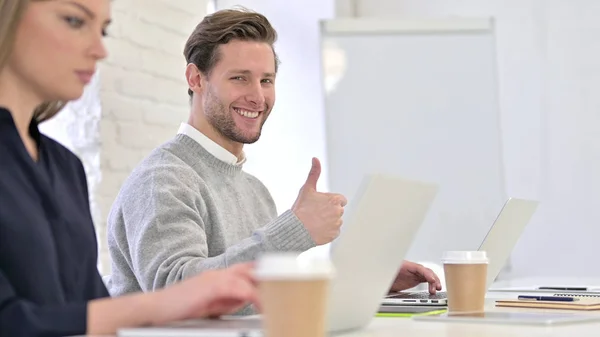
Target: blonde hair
point(11, 12)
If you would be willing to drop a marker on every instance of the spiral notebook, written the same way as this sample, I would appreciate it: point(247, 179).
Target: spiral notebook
point(582, 302)
point(578, 295)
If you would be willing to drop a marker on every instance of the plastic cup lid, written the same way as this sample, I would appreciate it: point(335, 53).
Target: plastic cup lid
point(288, 266)
point(464, 257)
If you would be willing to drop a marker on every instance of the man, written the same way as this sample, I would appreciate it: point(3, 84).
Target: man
point(188, 207)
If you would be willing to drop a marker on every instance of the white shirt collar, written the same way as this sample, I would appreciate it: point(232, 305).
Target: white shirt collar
point(213, 148)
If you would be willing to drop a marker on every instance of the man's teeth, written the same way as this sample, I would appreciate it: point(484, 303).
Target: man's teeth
point(246, 113)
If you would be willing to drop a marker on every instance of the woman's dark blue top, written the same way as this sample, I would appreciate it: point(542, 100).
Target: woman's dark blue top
point(48, 247)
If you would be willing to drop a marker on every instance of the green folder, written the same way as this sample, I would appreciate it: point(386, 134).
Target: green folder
point(409, 314)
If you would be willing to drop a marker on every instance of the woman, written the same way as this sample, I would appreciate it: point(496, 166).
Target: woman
point(49, 284)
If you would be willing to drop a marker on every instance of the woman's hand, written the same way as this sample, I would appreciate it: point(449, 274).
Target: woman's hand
point(212, 293)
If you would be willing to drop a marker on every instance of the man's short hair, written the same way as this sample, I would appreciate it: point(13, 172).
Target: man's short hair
point(221, 27)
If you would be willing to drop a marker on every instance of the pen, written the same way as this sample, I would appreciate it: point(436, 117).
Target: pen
point(547, 298)
point(564, 288)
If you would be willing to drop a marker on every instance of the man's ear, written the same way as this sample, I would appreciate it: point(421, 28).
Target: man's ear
point(194, 78)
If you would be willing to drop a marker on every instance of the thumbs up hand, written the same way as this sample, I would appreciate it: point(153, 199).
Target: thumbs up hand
point(320, 213)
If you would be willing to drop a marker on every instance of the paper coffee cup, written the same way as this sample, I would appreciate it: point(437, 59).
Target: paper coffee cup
point(293, 294)
point(466, 276)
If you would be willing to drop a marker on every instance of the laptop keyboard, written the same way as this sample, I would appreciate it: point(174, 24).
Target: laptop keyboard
point(420, 295)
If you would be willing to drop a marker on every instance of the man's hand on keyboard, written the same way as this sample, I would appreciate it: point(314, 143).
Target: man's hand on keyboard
point(412, 274)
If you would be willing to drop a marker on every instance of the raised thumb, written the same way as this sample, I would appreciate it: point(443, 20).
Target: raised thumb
point(313, 175)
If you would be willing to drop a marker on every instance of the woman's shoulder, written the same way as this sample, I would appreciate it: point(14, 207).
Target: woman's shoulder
point(59, 152)
point(63, 159)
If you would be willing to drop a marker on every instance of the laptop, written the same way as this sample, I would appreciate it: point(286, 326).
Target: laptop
point(498, 244)
point(380, 225)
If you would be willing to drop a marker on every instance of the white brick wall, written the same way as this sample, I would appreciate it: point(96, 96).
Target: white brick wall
point(143, 91)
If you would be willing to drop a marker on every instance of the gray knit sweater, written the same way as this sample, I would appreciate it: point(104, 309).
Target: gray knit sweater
point(183, 211)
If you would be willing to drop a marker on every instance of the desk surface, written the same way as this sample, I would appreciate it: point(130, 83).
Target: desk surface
point(407, 327)
point(593, 284)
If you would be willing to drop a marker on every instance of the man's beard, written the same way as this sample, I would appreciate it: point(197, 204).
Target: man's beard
point(221, 120)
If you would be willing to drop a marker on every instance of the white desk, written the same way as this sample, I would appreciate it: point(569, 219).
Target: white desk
point(534, 282)
point(407, 327)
